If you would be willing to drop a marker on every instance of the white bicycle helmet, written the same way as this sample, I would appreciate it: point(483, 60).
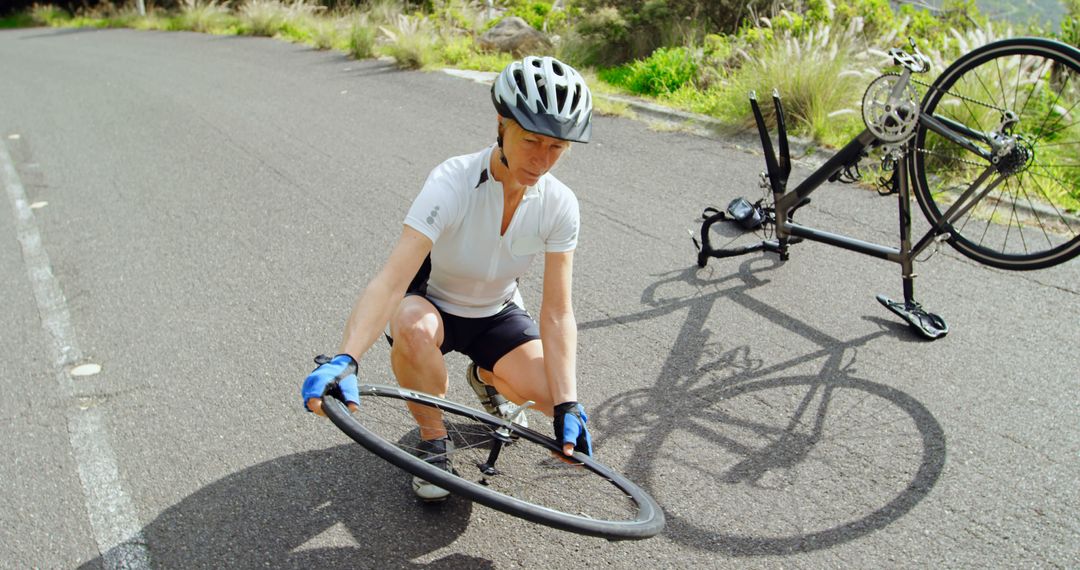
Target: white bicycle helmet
point(545, 96)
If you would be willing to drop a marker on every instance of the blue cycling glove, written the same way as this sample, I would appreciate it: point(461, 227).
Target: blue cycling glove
point(570, 427)
point(341, 370)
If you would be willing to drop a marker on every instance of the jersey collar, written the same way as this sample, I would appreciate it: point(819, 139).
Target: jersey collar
point(533, 190)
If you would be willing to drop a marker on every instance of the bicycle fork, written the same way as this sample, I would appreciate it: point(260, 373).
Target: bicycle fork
point(774, 178)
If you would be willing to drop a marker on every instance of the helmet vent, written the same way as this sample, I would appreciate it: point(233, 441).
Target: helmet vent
point(519, 80)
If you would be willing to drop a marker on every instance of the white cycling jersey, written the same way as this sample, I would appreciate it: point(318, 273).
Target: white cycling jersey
point(474, 270)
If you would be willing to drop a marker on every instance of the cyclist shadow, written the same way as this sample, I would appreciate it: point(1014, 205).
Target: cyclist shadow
point(296, 512)
point(793, 448)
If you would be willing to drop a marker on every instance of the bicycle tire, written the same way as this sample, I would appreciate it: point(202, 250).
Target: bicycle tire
point(1015, 225)
point(541, 488)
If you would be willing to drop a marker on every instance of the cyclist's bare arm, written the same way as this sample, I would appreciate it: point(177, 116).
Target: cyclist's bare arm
point(381, 297)
point(558, 327)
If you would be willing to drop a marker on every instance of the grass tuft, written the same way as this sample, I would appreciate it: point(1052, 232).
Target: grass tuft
point(362, 36)
point(206, 17)
point(411, 42)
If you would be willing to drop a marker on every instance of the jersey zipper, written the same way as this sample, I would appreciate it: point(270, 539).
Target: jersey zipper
point(493, 266)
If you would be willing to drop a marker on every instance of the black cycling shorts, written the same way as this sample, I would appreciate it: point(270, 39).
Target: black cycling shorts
point(486, 339)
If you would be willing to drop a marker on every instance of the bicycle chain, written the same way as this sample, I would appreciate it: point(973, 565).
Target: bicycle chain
point(961, 160)
point(964, 98)
point(958, 96)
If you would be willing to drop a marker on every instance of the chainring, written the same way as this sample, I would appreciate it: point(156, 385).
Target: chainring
point(891, 121)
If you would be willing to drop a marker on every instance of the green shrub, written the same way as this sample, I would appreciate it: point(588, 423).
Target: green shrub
point(619, 76)
point(17, 20)
point(877, 15)
point(707, 101)
point(534, 13)
point(665, 71)
point(1070, 24)
point(635, 29)
point(458, 49)
point(923, 26)
point(717, 57)
point(653, 17)
point(605, 24)
point(755, 35)
point(48, 15)
point(458, 16)
point(1070, 31)
point(461, 52)
point(600, 38)
point(540, 14)
point(962, 15)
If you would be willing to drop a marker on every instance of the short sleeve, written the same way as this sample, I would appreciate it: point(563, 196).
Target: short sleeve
point(564, 231)
point(435, 208)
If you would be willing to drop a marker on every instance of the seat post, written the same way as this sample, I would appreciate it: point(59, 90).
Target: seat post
point(907, 263)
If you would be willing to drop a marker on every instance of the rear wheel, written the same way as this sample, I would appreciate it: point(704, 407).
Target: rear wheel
point(1013, 205)
point(528, 479)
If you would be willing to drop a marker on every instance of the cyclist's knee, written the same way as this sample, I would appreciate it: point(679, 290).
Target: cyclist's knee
point(415, 327)
point(415, 335)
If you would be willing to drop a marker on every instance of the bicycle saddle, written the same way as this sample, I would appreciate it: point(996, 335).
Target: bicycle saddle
point(928, 324)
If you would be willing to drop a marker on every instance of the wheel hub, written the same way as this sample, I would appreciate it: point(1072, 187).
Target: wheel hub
point(1018, 159)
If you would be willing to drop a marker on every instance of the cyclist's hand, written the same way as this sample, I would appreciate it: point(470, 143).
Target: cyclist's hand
point(340, 369)
point(570, 428)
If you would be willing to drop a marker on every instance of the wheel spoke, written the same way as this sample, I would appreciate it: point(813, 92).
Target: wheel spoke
point(1040, 134)
point(1046, 199)
point(1033, 208)
point(1019, 75)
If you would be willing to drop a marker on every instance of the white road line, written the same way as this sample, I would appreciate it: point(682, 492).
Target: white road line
point(111, 512)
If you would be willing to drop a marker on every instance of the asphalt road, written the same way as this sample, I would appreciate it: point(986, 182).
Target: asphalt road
point(196, 214)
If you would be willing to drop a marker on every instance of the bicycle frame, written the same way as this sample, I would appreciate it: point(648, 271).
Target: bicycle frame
point(786, 202)
point(904, 255)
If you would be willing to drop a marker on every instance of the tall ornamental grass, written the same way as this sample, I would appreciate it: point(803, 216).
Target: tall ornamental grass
point(821, 77)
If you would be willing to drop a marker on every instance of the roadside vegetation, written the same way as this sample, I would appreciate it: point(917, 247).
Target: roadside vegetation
point(701, 56)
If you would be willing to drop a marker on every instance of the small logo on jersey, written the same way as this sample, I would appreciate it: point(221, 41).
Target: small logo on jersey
point(431, 217)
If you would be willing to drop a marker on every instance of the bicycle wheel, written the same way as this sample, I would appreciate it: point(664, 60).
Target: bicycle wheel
point(529, 481)
point(1013, 205)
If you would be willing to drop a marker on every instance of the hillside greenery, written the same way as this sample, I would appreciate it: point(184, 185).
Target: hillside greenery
point(702, 56)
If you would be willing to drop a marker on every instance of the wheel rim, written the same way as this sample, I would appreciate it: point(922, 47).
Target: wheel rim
point(531, 483)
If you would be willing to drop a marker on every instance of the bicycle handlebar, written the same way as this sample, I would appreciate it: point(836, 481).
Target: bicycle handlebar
point(707, 250)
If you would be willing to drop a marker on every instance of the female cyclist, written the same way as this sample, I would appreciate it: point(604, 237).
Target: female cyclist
point(451, 281)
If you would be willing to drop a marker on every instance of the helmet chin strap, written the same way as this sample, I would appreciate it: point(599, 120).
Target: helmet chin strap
point(502, 155)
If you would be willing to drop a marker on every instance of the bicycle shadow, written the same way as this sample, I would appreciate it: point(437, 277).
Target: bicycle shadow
point(291, 512)
point(752, 456)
